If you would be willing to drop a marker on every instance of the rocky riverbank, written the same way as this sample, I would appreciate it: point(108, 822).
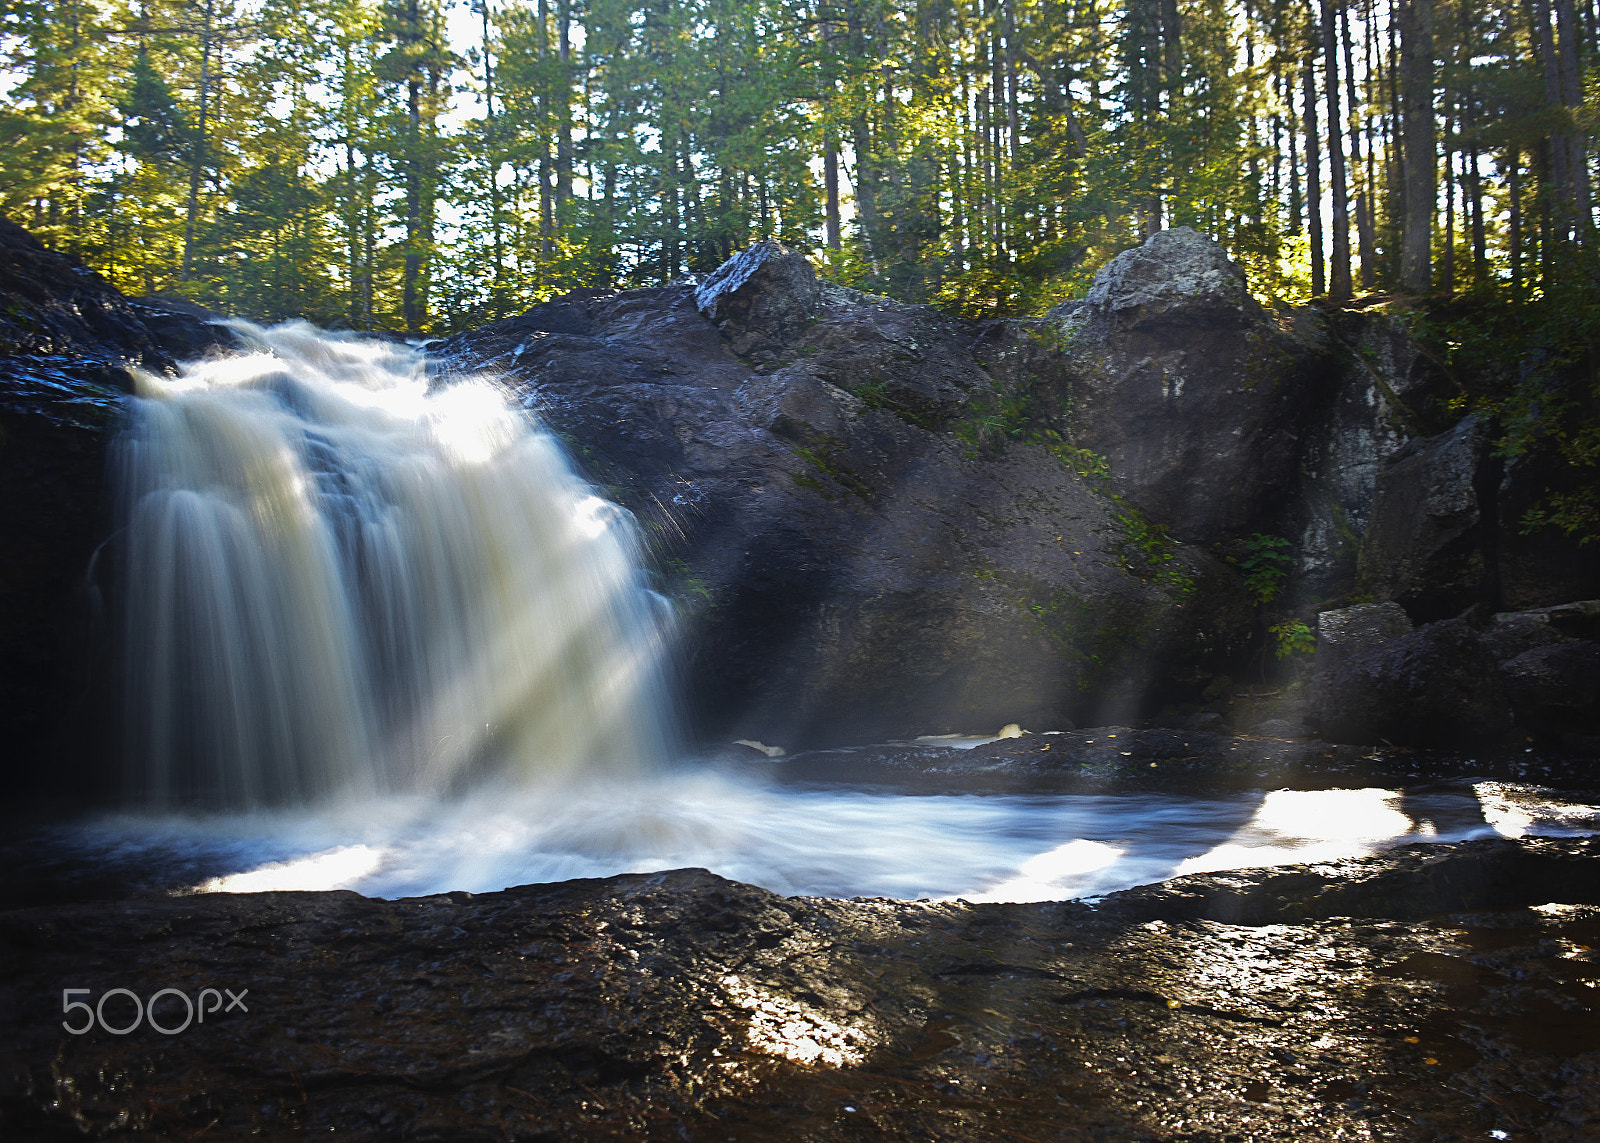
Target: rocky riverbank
point(68, 339)
point(877, 520)
point(1426, 994)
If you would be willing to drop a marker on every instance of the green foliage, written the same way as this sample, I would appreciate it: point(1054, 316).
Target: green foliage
point(1292, 638)
point(991, 419)
point(1532, 366)
point(988, 158)
point(823, 455)
point(1085, 462)
point(154, 128)
point(874, 394)
point(1148, 551)
point(1265, 565)
point(687, 585)
point(1092, 639)
point(997, 416)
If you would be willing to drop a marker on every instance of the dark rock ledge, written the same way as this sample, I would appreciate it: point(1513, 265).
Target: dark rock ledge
point(1432, 993)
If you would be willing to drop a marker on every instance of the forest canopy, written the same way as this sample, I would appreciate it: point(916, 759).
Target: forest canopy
point(388, 163)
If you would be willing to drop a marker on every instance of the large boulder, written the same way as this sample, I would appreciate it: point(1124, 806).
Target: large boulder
point(1549, 662)
point(1425, 543)
point(1555, 689)
point(1177, 274)
point(1376, 680)
point(760, 296)
point(1526, 675)
point(1387, 392)
point(1350, 633)
point(865, 539)
point(1193, 393)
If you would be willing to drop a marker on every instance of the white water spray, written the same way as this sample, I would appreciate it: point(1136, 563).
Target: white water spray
point(339, 579)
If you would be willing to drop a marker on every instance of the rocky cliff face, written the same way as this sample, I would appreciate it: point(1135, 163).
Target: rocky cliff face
point(1385, 394)
point(1195, 395)
point(877, 519)
point(863, 507)
point(882, 519)
point(67, 339)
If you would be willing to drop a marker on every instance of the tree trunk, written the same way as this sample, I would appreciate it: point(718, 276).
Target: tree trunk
point(1363, 210)
point(669, 205)
point(198, 150)
point(1480, 252)
point(1559, 152)
point(547, 218)
point(564, 109)
point(411, 304)
point(830, 179)
point(1419, 147)
point(866, 190)
point(1339, 284)
point(1514, 222)
point(1572, 97)
point(1448, 269)
point(1014, 130)
point(489, 141)
point(1319, 281)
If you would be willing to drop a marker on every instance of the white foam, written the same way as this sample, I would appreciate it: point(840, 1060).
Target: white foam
point(833, 842)
point(343, 578)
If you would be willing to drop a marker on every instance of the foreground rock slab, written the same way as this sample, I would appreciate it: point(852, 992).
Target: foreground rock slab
point(1433, 993)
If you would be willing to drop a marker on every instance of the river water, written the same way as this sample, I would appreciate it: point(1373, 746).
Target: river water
point(831, 841)
point(379, 636)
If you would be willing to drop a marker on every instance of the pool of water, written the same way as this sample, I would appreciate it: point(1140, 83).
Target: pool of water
point(829, 840)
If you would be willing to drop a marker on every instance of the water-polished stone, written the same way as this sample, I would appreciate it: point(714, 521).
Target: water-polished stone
point(1433, 993)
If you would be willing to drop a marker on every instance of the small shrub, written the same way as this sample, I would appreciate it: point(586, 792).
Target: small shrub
point(1293, 638)
point(1265, 565)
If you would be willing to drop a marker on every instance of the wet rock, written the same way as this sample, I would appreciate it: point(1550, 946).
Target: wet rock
point(1412, 882)
point(760, 297)
point(854, 559)
point(1278, 728)
point(1424, 546)
point(1359, 996)
point(1195, 396)
point(1117, 760)
point(59, 309)
point(67, 341)
point(182, 330)
point(1435, 686)
point(1386, 393)
point(1555, 689)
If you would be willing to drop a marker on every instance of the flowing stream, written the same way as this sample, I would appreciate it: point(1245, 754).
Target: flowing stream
point(379, 636)
point(342, 578)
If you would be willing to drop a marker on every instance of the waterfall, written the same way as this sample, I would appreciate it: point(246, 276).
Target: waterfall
point(340, 578)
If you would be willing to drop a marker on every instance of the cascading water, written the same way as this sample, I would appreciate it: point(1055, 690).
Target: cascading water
point(343, 578)
point(340, 578)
